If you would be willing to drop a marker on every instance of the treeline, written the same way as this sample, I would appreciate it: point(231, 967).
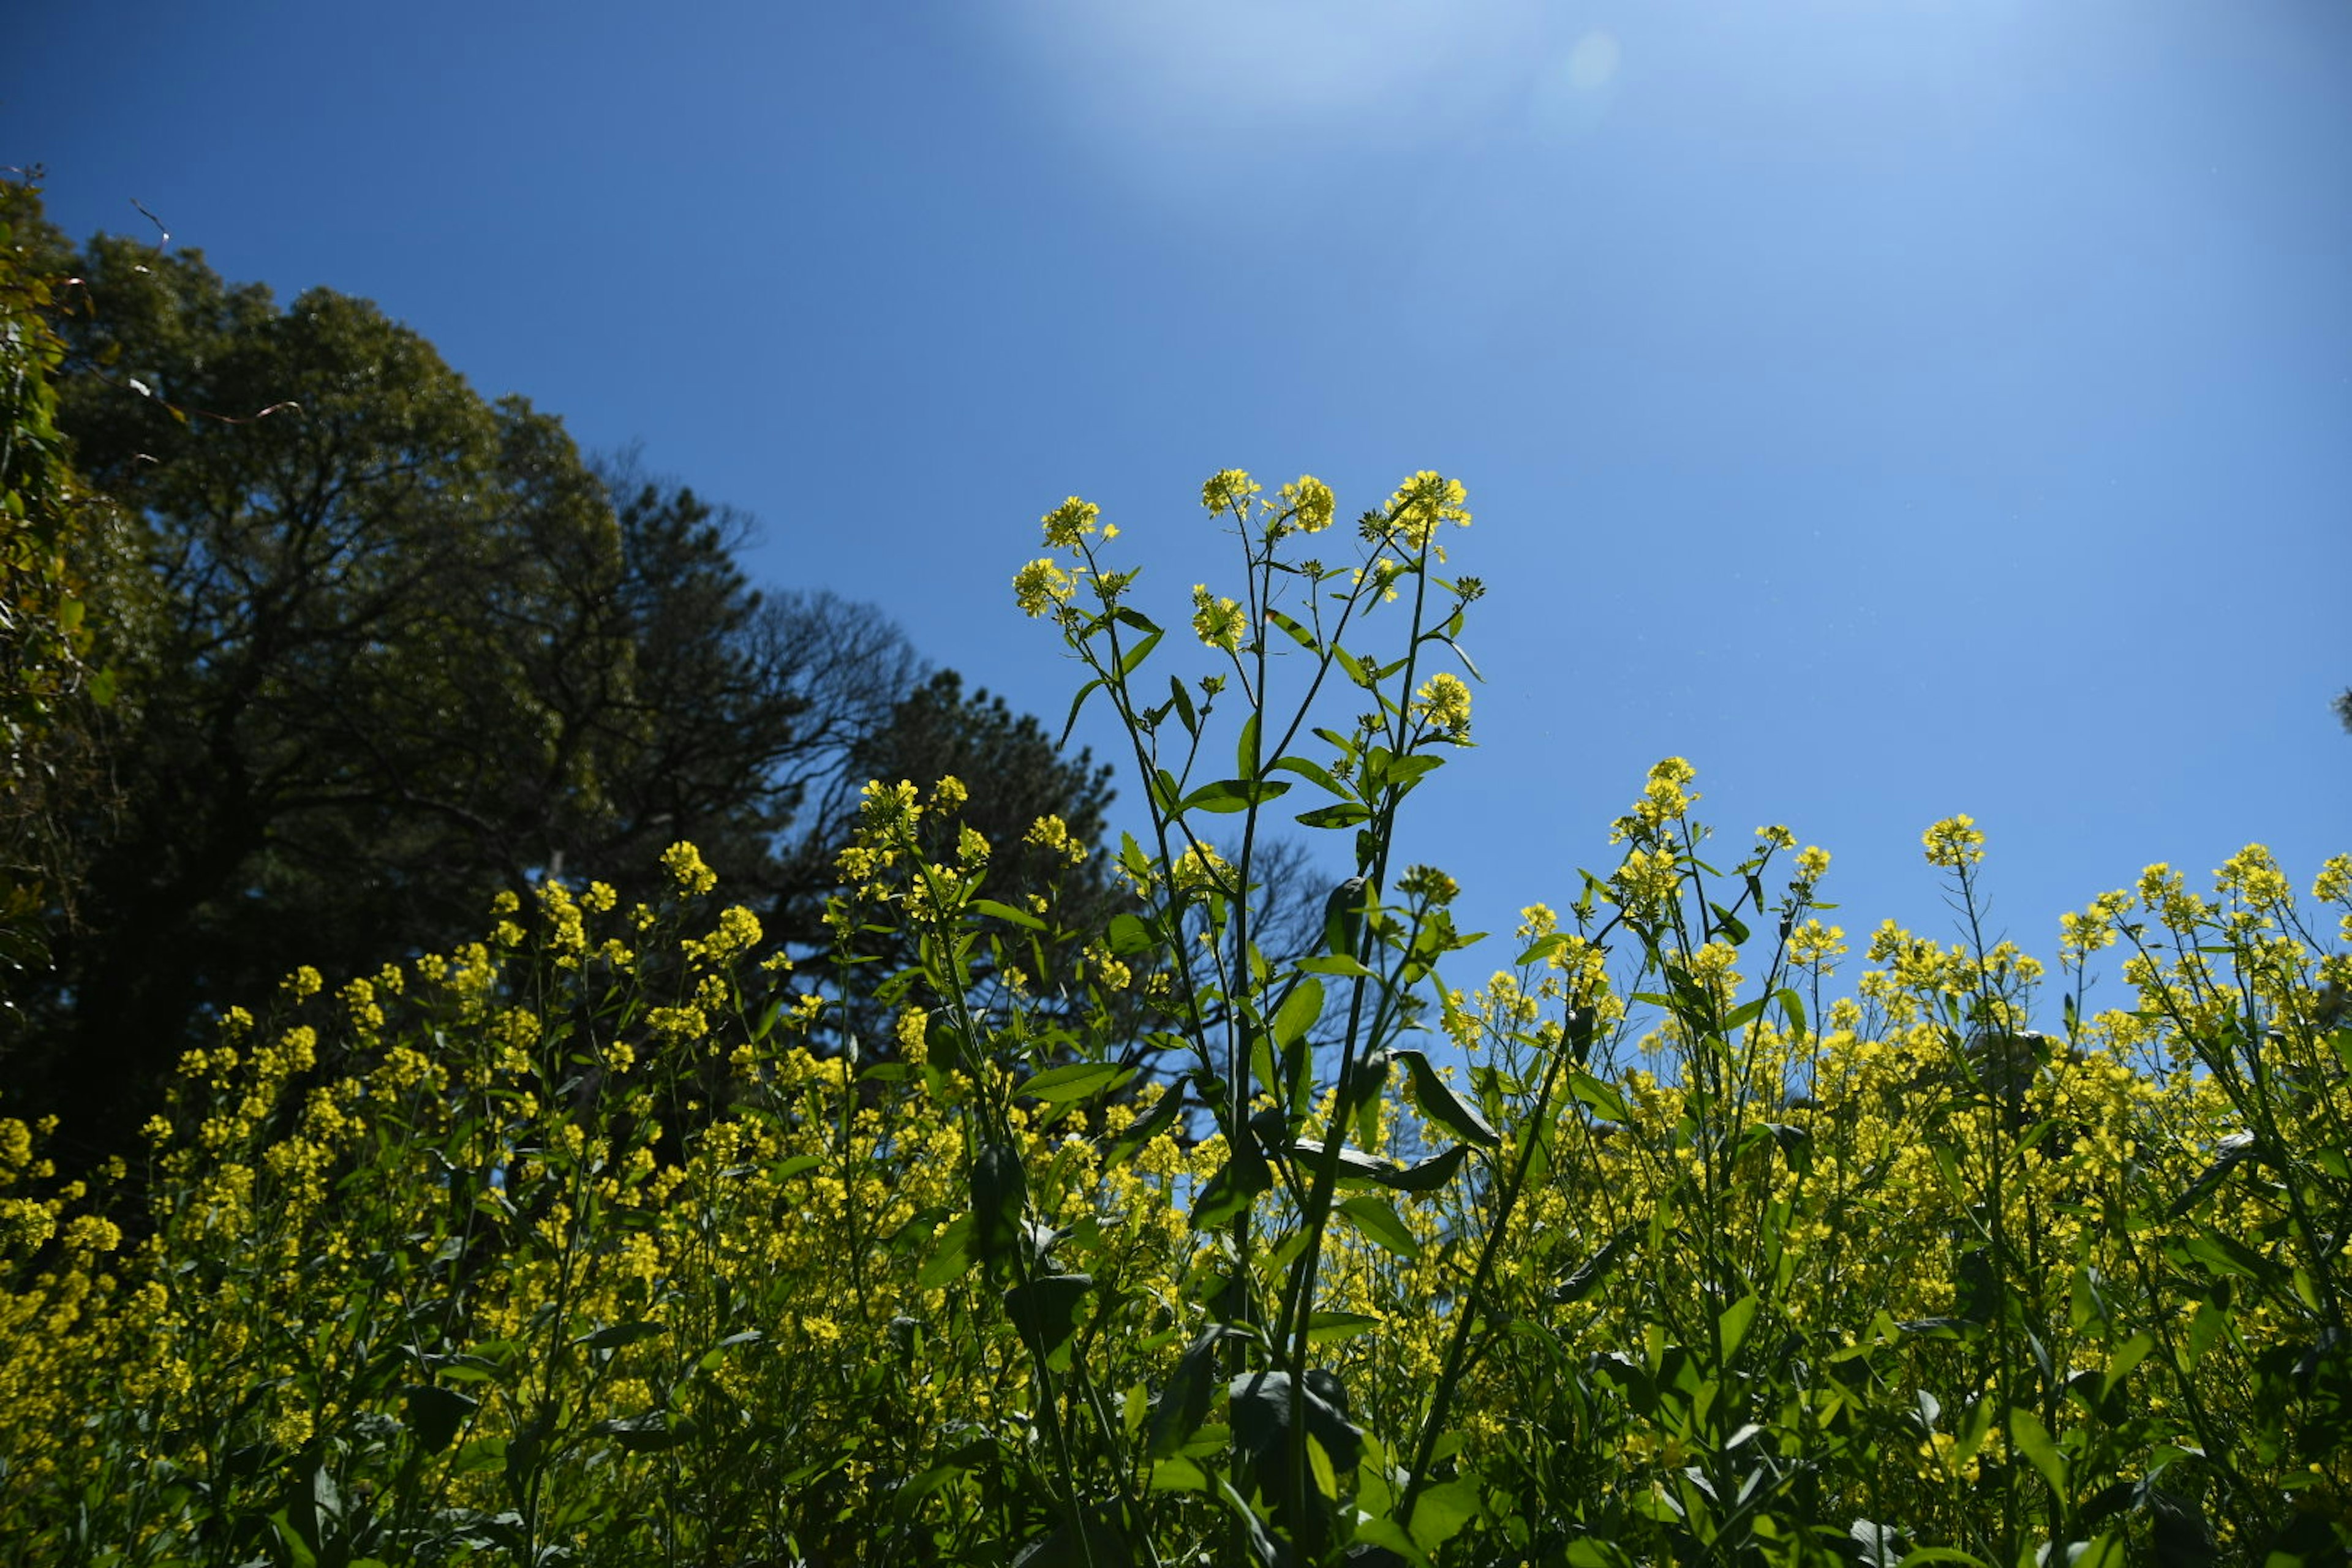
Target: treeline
point(311, 651)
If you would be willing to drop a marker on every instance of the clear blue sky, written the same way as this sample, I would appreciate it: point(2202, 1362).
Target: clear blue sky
point(1896, 408)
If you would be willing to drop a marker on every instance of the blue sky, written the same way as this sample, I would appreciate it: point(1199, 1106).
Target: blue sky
point(1898, 409)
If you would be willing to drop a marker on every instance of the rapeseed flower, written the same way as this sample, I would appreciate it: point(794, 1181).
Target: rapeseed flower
point(1228, 490)
point(1219, 623)
point(1041, 586)
point(1953, 843)
point(1070, 522)
point(1443, 702)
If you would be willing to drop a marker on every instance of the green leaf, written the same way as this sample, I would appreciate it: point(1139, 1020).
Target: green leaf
point(1595, 1270)
point(2204, 1329)
point(1298, 634)
point(1242, 1177)
point(1177, 1474)
point(291, 1524)
point(1045, 1312)
point(1073, 1082)
point(1380, 1224)
point(1183, 1404)
point(1541, 950)
point(1441, 1104)
point(1181, 700)
point(1346, 814)
point(717, 1355)
point(1004, 911)
point(951, 1256)
point(614, 1336)
point(1313, 772)
point(1601, 1096)
point(1128, 934)
point(1441, 1511)
point(1089, 689)
point(1792, 1008)
point(1247, 763)
point(1344, 909)
point(1233, 795)
point(1353, 1163)
point(1429, 1175)
point(1335, 963)
point(1325, 1328)
point(2031, 1439)
point(647, 1433)
point(1298, 1012)
point(1133, 659)
point(1731, 1328)
point(1384, 768)
point(1000, 1193)
point(1387, 1532)
point(435, 1415)
point(2128, 1355)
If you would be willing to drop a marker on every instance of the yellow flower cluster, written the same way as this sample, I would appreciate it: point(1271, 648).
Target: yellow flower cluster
point(1219, 623)
point(1042, 586)
point(1423, 502)
point(1444, 704)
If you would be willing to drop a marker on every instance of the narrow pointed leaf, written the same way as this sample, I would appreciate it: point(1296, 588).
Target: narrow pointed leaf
point(1443, 1105)
point(1380, 1224)
point(1430, 1174)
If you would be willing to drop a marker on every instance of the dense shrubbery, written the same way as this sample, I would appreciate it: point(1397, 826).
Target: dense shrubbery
point(567, 1246)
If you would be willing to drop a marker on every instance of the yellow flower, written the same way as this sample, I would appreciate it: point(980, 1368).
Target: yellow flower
point(1814, 943)
point(1646, 878)
point(1954, 842)
point(1202, 866)
point(1069, 523)
point(1217, 622)
point(1444, 702)
point(1227, 490)
point(1812, 862)
point(1310, 502)
point(1053, 835)
point(1041, 585)
point(685, 865)
point(2255, 879)
point(1423, 501)
point(1664, 799)
point(912, 1033)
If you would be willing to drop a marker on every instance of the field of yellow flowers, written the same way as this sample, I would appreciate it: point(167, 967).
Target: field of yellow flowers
point(1702, 1233)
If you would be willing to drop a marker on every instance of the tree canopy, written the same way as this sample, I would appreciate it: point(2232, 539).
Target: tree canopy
point(404, 647)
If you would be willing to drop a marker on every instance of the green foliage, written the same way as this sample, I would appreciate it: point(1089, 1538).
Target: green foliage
point(53, 533)
point(588, 1242)
point(401, 649)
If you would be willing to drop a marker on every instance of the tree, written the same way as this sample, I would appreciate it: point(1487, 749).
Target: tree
point(409, 650)
point(55, 536)
point(738, 703)
point(400, 649)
